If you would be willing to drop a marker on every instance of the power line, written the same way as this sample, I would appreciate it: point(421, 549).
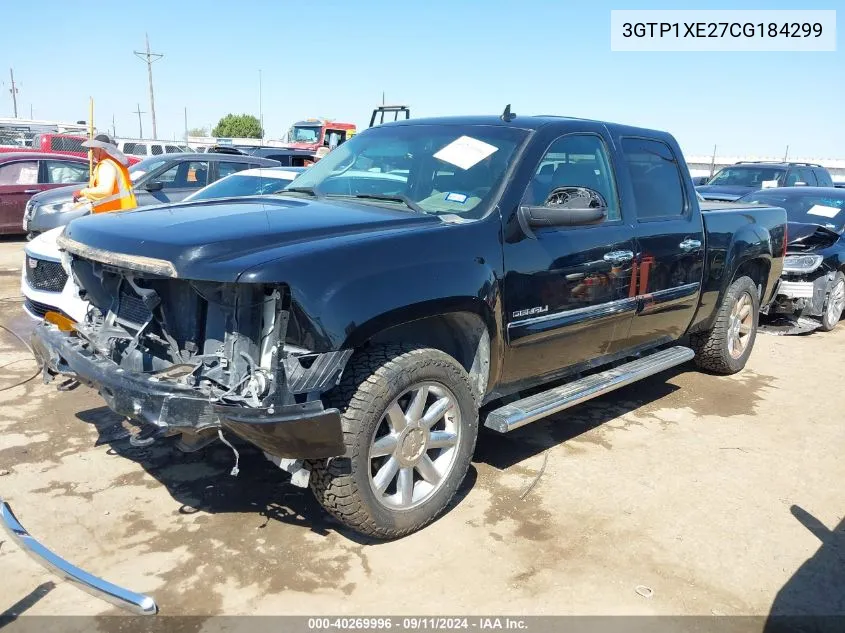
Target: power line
point(140, 127)
point(150, 58)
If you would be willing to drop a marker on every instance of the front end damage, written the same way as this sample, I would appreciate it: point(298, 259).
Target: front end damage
point(196, 358)
point(802, 297)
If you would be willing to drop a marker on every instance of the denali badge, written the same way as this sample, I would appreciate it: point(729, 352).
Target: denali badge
point(33, 263)
point(530, 311)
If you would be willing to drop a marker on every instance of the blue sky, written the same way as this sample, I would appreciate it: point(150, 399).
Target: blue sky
point(334, 59)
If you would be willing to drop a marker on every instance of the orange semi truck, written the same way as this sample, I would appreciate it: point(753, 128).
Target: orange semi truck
point(321, 136)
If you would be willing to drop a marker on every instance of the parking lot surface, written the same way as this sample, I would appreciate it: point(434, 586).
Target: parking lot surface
point(723, 495)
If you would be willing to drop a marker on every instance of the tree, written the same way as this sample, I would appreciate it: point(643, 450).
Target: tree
point(238, 126)
point(198, 131)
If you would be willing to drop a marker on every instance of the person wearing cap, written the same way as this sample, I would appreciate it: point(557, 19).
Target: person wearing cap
point(110, 188)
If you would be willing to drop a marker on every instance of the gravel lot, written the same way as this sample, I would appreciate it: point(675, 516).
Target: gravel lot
point(722, 495)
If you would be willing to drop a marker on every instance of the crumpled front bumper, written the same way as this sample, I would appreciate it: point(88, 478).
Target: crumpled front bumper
point(802, 297)
point(298, 431)
point(118, 596)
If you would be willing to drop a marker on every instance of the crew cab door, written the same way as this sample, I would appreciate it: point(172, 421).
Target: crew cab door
point(567, 288)
point(670, 241)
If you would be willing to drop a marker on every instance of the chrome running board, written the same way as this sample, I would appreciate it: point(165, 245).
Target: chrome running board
point(521, 412)
point(118, 596)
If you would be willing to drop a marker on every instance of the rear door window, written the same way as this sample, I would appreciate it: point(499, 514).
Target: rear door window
point(156, 150)
point(65, 172)
point(186, 174)
point(226, 168)
point(172, 149)
point(655, 177)
point(24, 172)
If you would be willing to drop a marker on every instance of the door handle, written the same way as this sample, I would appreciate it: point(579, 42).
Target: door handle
point(690, 245)
point(618, 257)
point(30, 190)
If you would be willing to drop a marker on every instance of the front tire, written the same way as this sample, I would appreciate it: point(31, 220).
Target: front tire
point(410, 423)
point(725, 348)
point(834, 304)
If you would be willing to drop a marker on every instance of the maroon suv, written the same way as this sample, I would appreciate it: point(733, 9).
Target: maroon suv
point(23, 174)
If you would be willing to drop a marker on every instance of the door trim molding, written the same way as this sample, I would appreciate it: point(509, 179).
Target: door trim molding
point(525, 328)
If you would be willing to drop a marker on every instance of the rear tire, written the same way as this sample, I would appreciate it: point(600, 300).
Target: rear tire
point(834, 303)
point(410, 423)
point(725, 348)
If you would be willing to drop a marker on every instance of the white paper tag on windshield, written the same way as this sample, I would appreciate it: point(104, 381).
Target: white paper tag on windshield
point(825, 212)
point(465, 152)
point(769, 184)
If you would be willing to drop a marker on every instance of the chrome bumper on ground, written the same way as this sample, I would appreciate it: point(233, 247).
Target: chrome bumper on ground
point(118, 596)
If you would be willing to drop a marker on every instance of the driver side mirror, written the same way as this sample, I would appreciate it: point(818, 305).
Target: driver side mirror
point(566, 206)
point(153, 185)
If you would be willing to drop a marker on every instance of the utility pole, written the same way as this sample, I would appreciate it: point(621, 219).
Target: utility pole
point(260, 106)
point(113, 128)
point(140, 127)
point(14, 91)
point(186, 125)
point(150, 58)
point(713, 162)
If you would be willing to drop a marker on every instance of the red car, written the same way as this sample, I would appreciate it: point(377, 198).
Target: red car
point(23, 174)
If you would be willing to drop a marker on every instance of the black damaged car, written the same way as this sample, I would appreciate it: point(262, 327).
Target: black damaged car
point(812, 289)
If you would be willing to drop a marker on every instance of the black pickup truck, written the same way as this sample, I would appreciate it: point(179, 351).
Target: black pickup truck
point(425, 275)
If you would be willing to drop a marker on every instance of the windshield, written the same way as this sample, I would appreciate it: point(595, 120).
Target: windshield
point(245, 185)
point(304, 134)
point(750, 176)
point(429, 168)
point(145, 166)
point(828, 210)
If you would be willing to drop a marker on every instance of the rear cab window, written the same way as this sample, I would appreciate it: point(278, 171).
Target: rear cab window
point(655, 178)
point(823, 177)
point(807, 176)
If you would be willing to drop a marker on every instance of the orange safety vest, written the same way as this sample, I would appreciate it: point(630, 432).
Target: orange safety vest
point(122, 197)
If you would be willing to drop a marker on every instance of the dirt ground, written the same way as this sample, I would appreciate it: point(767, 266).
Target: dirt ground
point(721, 495)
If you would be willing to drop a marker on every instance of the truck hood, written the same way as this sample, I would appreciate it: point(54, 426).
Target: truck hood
point(723, 192)
point(217, 240)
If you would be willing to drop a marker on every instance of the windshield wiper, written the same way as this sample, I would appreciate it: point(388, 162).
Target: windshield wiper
point(311, 191)
point(392, 197)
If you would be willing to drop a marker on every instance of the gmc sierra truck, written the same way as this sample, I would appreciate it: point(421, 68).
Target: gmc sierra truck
point(426, 276)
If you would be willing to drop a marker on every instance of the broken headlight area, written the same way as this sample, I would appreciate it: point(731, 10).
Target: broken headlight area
point(188, 357)
point(801, 263)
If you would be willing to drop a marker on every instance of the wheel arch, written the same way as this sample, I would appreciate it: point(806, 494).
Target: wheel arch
point(465, 330)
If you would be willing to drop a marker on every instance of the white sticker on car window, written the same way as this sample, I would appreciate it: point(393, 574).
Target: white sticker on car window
point(822, 210)
point(769, 184)
point(465, 152)
point(456, 197)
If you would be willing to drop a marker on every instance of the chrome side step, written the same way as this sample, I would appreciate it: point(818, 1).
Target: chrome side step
point(530, 409)
point(118, 596)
